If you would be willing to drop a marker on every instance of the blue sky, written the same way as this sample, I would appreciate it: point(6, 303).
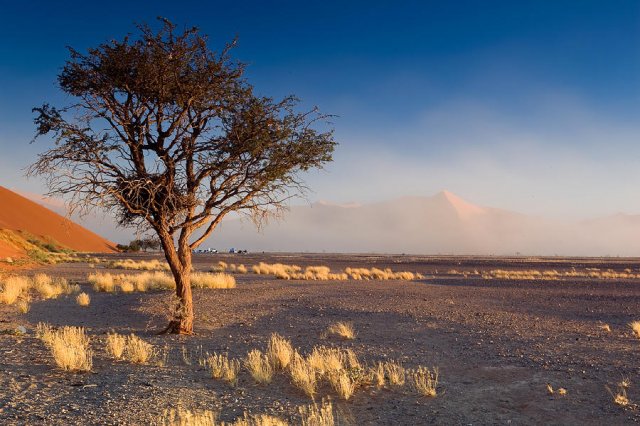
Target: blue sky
point(529, 106)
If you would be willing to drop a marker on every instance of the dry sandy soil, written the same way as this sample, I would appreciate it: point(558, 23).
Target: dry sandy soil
point(497, 344)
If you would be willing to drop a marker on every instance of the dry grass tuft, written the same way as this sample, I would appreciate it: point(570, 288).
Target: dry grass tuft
point(259, 366)
point(69, 347)
point(314, 415)
point(424, 381)
point(183, 417)
point(343, 383)
point(342, 329)
point(605, 327)
point(115, 345)
point(223, 368)
point(303, 375)
point(137, 350)
point(377, 375)
point(23, 306)
point(13, 288)
point(106, 282)
point(218, 280)
point(44, 332)
point(395, 373)
point(280, 351)
point(83, 299)
point(257, 420)
point(142, 265)
point(102, 282)
point(635, 326)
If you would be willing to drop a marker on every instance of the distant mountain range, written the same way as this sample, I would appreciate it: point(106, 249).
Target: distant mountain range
point(440, 224)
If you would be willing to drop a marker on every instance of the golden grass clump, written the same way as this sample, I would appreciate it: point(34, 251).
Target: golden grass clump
point(115, 345)
point(16, 288)
point(280, 351)
point(183, 417)
point(102, 282)
point(343, 383)
point(127, 287)
point(377, 374)
point(141, 265)
point(424, 381)
point(395, 373)
point(342, 329)
point(277, 269)
point(83, 299)
point(380, 274)
point(303, 375)
point(635, 327)
point(220, 267)
point(13, 288)
point(44, 332)
point(218, 280)
point(259, 366)
point(69, 347)
point(137, 350)
point(317, 415)
point(257, 420)
point(23, 306)
point(620, 397)
point(241, 269)
point(327, 360)
point(223, 368)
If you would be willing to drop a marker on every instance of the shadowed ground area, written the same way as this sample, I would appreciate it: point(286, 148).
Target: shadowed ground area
point(497, 343)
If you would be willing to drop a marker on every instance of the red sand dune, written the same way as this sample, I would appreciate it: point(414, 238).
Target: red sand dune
point(20, 214)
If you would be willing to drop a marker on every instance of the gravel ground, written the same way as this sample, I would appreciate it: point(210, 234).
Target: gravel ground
point(496, 343)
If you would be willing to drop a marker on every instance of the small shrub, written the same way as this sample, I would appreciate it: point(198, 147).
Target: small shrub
point(241, 269)
point(635, 326)
point(83, 299)
point(279, 351)
point(115, 345)
point(137, 350)
point(259, 366)
point(424, 381)
point(342, 329)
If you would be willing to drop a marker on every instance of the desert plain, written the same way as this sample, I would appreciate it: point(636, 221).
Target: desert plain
point(514, 340)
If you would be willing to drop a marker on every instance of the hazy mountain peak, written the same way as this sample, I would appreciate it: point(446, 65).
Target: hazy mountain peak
point(464, 208)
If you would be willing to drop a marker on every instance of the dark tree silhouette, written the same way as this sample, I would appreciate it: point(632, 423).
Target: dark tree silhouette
point(169, 136)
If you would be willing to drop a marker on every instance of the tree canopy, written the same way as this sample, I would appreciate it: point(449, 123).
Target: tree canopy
point(168, 135)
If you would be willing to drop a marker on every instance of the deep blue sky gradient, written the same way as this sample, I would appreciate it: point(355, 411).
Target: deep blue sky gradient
point(429, 94)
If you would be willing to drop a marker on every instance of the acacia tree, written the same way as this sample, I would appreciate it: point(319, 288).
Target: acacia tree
point(169, 136)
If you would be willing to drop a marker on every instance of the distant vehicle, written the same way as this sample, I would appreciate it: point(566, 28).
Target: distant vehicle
point(234, 251)
point(207, 250)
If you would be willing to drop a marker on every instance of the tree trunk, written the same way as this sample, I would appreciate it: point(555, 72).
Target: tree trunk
point(180, 265)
